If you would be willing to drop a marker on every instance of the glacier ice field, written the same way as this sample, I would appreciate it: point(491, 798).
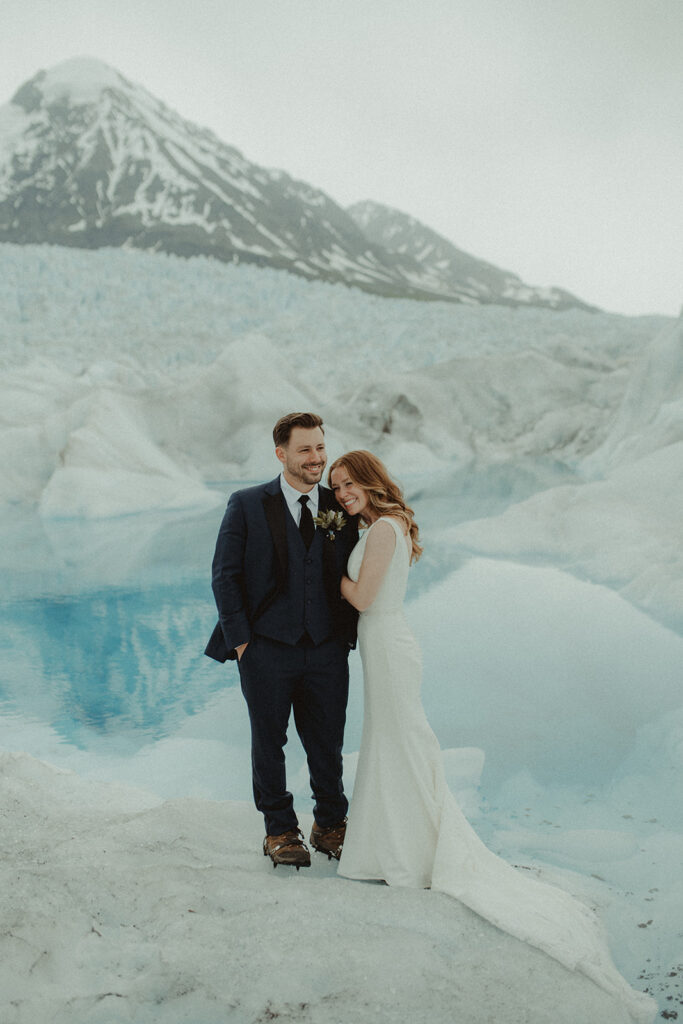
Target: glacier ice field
point(542, 453)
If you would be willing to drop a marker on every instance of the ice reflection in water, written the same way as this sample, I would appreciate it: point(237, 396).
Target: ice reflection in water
point(115, 659)
point(103, 624)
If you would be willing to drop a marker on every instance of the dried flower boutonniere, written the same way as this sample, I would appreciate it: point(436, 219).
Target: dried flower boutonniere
point(330, 521)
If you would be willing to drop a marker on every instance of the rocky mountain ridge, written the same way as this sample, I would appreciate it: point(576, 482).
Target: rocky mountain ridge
point(89, 159)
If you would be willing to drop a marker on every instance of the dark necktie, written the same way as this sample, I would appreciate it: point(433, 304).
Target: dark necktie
point(306, 527)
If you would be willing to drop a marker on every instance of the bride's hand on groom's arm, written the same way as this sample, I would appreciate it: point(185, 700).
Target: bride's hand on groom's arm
point(379, 550)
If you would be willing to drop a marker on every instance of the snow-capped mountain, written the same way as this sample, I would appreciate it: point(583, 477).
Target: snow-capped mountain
point(447, 268)
point(89, 159)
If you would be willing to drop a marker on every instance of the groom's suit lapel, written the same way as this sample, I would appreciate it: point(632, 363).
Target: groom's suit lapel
point(325, 499)
point(275, 511)
point(336, 552)
point(330, 570)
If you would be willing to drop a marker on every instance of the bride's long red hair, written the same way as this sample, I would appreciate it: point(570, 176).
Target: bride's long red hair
point(383, 494)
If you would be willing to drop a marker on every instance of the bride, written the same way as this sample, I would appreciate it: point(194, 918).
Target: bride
point(404, 825)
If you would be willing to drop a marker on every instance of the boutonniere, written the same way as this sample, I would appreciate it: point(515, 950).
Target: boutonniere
point(330, 521)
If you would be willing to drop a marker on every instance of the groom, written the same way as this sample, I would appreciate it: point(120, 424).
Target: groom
point(276, 580)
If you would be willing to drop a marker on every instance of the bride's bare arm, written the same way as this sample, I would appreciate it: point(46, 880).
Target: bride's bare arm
point(379, 548)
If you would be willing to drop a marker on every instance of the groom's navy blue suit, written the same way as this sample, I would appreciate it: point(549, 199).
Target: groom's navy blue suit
point(284, 600)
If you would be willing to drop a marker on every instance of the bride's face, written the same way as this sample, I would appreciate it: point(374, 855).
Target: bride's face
point(350, 496)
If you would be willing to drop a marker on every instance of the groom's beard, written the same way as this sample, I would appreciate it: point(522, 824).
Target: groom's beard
point(309, 474)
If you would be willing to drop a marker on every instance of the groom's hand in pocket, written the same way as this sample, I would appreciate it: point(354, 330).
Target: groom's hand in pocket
point(239, 651)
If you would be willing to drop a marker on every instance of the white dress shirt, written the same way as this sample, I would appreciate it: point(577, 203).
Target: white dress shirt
point(292, 498)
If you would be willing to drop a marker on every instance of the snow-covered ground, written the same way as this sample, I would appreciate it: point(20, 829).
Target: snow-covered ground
point(544, 455)
point(117, 907)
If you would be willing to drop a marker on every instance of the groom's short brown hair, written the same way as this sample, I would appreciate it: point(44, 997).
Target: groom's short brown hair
point(284, 426)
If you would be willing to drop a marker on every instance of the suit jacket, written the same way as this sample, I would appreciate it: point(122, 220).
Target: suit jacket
point(250, 566)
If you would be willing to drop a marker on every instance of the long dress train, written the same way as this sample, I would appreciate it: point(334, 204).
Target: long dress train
point(405, 826)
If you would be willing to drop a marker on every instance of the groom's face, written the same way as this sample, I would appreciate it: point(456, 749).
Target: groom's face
point(303, 457)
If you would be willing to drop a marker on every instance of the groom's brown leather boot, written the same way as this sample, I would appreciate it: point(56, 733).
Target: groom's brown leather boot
point(329, 840)
point(287, 848)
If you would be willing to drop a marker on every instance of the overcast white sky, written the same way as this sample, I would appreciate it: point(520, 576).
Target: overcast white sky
point(545, 136)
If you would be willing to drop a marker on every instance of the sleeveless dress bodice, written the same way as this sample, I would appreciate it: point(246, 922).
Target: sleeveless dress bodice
point(392, 592)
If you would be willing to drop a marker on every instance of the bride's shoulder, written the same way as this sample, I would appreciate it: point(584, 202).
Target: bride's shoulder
point(384, 531)
point(381, 538)
point(395, 521)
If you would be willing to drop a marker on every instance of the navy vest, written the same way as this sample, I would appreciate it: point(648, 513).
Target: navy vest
point(301, 608)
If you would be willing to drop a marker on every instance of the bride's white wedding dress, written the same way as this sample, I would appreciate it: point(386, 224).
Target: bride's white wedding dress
point(405, 826)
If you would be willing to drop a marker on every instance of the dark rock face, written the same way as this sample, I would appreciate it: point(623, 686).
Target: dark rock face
point(88, 159)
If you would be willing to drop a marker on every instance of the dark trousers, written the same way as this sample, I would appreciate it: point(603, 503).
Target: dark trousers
point(313, 682)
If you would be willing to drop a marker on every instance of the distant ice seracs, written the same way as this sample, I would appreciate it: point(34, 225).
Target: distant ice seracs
point(139, 381)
